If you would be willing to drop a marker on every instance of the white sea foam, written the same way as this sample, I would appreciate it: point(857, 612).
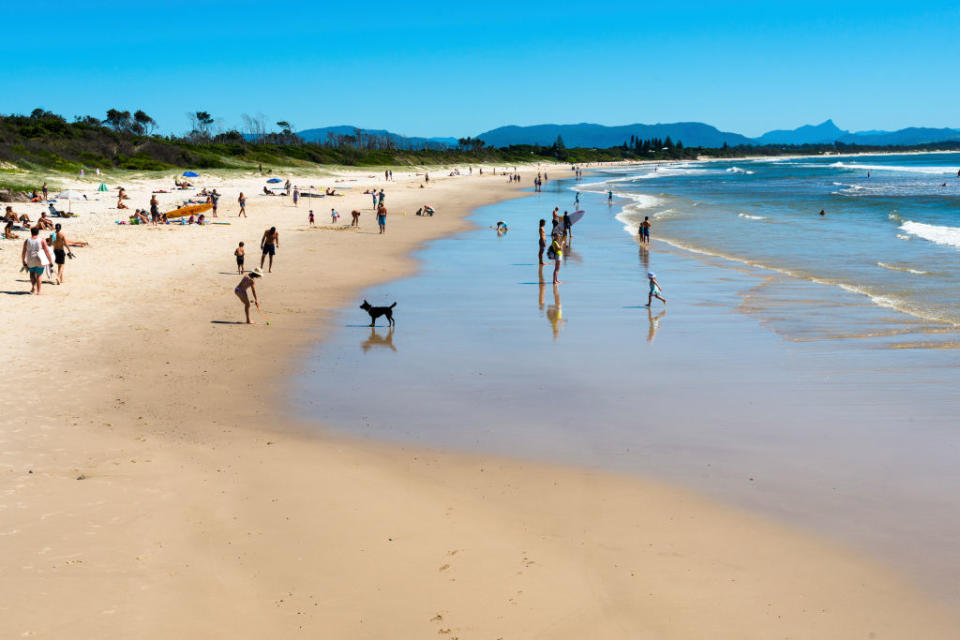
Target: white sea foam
point(897, 168)
point(739, 170)
point(750, 217)
point(893, 267)
point(949, 236)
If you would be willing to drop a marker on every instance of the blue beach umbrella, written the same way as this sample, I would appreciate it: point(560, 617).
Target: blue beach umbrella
point(273, 180)
point(190, 174)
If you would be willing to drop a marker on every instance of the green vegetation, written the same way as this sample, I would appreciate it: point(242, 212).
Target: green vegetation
point(125, 141)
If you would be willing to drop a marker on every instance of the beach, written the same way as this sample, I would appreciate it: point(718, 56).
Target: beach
point(157, 482)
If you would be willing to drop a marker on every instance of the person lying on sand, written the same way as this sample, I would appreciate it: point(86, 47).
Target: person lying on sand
point(247, 282)
point(35, 197)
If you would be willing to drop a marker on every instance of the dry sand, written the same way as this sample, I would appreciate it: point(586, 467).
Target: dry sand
point(151, 486)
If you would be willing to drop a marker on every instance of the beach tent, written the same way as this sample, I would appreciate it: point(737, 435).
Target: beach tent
point(274, 180)
point(190, 174)
point(102, 187)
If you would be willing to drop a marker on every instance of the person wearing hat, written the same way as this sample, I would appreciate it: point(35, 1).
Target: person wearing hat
point(655, 290)
point(247, 282)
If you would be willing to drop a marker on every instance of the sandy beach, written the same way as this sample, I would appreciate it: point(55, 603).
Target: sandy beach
point(155, 485)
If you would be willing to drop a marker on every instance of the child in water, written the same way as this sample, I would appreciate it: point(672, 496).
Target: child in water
point(655, 290)
point(239, 253)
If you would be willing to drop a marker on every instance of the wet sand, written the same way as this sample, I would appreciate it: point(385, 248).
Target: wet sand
point(153, 484)
point(829, 432)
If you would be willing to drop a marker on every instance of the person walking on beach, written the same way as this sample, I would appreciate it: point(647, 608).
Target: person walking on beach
point(61, 249)
point(239, 253)
point(576, 199)
point(215, 201)
point(242, 201)
point(35, 256)
point(567, 226)
point(247, 282)
point(310, 220)
point(269, 243)
point(655, 290)
point(543, 240)
point(609, 197)
point(381, 197)
point(296, 197)
point(382, 218)
point(644, 230)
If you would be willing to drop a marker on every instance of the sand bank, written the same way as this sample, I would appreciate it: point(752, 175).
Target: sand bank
point(152, 486)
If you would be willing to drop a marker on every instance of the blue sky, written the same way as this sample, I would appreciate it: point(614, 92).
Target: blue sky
point(460, 68)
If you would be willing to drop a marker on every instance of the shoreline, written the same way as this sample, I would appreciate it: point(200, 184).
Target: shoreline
point(199, 514)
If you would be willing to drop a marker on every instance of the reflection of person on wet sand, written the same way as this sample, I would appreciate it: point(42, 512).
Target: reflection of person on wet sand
point(555, 312)
point(654, 323)
point(376, 340)
point(542, 286)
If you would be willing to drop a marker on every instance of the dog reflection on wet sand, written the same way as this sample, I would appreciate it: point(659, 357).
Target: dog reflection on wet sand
point(376, 340)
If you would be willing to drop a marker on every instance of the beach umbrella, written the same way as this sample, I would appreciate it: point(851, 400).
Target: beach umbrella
point(68, 195)
point(191, 174)
point(274, 180)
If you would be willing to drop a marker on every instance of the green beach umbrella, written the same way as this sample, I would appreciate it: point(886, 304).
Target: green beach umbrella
point(102, 187)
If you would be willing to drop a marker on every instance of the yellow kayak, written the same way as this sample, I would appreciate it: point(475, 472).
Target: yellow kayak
point(190, 210)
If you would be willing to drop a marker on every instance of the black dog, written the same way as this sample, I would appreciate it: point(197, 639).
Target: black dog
point(376, 312)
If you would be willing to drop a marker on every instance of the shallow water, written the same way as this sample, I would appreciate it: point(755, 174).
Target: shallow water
point(777, 393)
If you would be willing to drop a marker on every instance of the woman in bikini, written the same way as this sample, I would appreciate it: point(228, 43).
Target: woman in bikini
point(247, 282)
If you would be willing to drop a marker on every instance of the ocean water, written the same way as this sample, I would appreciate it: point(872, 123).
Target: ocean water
point(891, 229)
point(790, 372)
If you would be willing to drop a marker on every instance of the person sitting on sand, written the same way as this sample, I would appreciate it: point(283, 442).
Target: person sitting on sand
point(8, 233)
point(120, 204)
point(191, 219)
point(267, 192)
point(35, 197)
point(247, 282)
point(201, 219)
point(44, 222)
point(122, 193)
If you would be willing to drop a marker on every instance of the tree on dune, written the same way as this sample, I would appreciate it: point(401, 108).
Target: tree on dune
point(143, 124)
point(119, 120)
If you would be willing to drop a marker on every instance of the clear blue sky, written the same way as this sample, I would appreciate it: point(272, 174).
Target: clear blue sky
point(460, 68)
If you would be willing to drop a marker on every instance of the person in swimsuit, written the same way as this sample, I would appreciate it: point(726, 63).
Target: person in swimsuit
point(356, 218)
point(609, 197)
point(242, 200)
point(556, 248)
point(567, 226)
point(239, 253)
point(61, 249)
point(247, 282)
point(382, 217)
point(310, 219)
point(269, 243)
point(543, 240)
point(35, 256)
point(645, 230)
point(154, 209)
point(655, 291)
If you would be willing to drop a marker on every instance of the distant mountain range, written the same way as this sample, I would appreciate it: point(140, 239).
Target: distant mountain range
point(692, 134)
point(322, 134)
